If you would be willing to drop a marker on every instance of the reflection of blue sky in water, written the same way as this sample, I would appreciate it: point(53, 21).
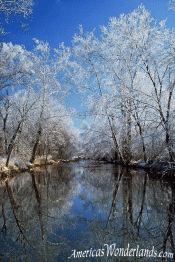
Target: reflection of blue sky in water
point(82, 207)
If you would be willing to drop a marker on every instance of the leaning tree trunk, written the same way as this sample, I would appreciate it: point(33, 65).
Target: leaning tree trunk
point(12, 142)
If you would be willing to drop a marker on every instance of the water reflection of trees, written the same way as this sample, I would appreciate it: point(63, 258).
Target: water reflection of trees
point(141, 212)
point(46, 214)
point(31, 206)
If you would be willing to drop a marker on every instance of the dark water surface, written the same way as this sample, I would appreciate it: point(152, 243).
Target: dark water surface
point(86, 212)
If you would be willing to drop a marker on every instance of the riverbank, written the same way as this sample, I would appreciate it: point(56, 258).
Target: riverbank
point(156, 169)
point(17, 165)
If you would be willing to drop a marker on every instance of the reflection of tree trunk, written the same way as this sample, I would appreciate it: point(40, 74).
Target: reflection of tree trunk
point(38, 197)
point(112, 209)
point(15, 206)
point(128, 223)
point(48, 183)
point(169, 233)
point(142, 205)
point(127, 202)
point(11, 196)
point(4, 227)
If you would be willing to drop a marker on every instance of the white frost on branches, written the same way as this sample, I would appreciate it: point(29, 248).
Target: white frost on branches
point(22, 8)
point(172, 4)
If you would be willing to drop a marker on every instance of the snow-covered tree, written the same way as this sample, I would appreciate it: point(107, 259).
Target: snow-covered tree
point(21, 104)
point(14, 65)
point(128, 76)
point(34, 119)
point(172, 5)
point(15, 69)
point(49, 79)
point(22, 8)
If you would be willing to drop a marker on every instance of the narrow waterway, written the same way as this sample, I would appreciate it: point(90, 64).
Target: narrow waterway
point(86, 211)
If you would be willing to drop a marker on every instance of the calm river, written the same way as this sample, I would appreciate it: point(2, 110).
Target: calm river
point(86, 212)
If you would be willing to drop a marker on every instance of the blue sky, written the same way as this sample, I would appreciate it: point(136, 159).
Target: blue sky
point(56, 21)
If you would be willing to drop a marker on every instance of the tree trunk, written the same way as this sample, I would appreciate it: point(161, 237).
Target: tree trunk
point(36, 144)
point(128, 137)
point(39, 132)
point(12, 142)
point(143, 142)
point(164, 119)
point(6, 105)
point(169, 145)
point(5, 133)
point(168, 139)
point(114, 137)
